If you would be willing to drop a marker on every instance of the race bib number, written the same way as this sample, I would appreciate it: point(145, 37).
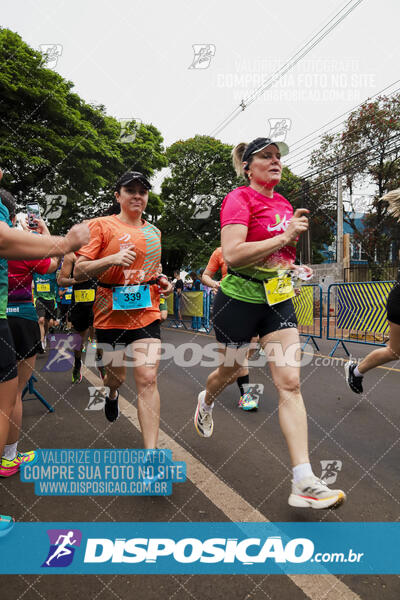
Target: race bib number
point(84, 295)
point(278, 289)
point(43, 287)
point(131, 297)
point(68, 296)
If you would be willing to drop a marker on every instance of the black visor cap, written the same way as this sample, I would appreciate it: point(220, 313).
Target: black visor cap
point(130, 176)
point(260, 143)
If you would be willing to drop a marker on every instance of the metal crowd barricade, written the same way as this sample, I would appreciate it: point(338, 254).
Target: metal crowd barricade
point(357, 313)
point(30, 389)
point(308, 309)
point(207, 304)
point(195, 311)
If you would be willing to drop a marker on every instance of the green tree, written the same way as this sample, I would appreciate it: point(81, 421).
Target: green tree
point(367, 151)
point(301, 194)
point(53, 142)
point(201, 176)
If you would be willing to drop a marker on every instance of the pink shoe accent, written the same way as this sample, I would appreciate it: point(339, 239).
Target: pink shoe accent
point(8, 471)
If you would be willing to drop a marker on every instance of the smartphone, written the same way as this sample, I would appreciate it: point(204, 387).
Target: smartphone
point(33, 212)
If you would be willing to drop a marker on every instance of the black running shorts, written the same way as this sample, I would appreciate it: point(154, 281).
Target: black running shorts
point(81, 316)
point(26, 336)
point(127, 336)
point(46, 309)
point(236, 322)
point(393, 305)
point(8, 361)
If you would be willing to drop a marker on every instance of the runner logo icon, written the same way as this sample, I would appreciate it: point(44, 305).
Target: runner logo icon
point(63, 543)
point(125, 238)
point(330, 470)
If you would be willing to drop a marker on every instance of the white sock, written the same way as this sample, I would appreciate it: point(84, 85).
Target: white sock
point(301, 471)
point(10, 451)
point(357, 373)
point(206, 407)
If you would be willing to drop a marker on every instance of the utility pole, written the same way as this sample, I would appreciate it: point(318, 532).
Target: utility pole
point(305, 239)
point(339, 224)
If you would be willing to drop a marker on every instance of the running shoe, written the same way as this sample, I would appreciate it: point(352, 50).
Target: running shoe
point(311, 492)
point(203, 420)
point(10, 467)
point(354, 383)
point(248, 402)
point(77, 373)
point(6, 524)
point(111, 408)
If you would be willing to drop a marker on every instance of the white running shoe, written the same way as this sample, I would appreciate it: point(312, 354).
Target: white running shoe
point(203, 420)
point(311, 492)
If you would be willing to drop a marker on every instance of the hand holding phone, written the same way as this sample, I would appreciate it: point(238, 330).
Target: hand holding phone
point(33, 212)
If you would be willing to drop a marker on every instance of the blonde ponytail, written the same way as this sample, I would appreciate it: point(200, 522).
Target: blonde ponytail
point(237, 159)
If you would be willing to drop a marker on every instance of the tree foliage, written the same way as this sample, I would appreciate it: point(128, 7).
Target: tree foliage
point(54, 143)
point(366, 152)
point(201, 176)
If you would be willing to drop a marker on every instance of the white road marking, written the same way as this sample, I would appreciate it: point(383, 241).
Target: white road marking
point(236, 508)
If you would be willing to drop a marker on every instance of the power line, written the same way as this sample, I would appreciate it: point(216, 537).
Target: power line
point(305, 159)
point(304, 155)
point(346, 158)
point(346, 113)
point(344, 171)
point(304, 50)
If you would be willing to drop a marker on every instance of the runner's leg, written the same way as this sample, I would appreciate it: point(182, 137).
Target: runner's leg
point(307, 490)
point(381, 356)
point(25, 369)
point(292, 413)
point(41, 325)
point(146, 356)
point(231, 364)
point(8, 396)
point(115, 371)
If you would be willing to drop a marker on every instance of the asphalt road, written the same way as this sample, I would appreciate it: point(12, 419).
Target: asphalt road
point(248, 458)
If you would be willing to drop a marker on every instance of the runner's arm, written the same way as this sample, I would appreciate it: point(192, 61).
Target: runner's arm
point(207, 279)
point(20, 245)
point(64, 278)
point(54, 265)
point(237, 252)
point(86, 268)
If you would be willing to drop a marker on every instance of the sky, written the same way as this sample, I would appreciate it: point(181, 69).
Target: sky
point(138, 59)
